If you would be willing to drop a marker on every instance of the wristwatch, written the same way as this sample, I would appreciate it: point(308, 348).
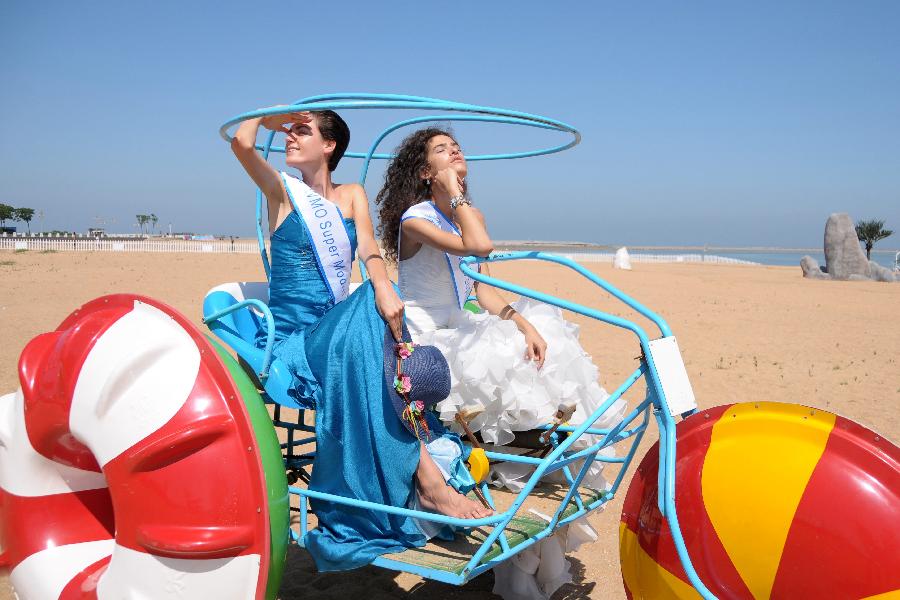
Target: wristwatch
point(460, 199)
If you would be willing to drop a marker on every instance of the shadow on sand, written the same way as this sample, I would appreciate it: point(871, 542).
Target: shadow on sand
point(372, 583)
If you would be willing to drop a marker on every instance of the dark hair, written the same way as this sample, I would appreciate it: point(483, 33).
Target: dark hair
point(403, 186)
point(334, 129)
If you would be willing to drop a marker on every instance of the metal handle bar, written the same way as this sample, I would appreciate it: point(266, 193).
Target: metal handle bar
point(664, 329)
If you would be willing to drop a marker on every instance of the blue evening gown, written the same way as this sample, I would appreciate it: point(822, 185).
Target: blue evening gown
point(363, 451)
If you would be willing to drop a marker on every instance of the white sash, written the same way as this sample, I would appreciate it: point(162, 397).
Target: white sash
point(462, 283)
point(325, 227)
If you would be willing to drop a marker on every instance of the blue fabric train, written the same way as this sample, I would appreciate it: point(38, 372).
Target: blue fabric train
point(363, 451)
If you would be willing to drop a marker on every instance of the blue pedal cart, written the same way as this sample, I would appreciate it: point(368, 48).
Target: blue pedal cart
point(237, 312)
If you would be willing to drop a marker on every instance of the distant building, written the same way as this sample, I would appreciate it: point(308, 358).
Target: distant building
point(97, 232)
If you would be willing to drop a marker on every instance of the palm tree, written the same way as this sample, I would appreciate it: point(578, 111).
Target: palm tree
point(142, 220)
point(154, 220)
point(7, 213)
point(870, 232)
point(25, 214)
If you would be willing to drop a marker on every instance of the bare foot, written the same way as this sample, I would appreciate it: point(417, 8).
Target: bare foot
point(448, 501)
point(437, 496)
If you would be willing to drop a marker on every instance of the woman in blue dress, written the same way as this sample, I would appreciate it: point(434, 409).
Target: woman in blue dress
point(332, 343)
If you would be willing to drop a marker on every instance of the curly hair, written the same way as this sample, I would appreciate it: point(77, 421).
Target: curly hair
point(403, 186)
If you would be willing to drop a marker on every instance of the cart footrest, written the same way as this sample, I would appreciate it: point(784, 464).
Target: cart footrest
point(453, 556)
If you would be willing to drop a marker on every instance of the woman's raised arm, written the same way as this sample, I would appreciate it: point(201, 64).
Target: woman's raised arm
point(260, 171)
point(474, 239)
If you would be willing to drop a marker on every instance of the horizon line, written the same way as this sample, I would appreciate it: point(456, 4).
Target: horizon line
point(704, 247)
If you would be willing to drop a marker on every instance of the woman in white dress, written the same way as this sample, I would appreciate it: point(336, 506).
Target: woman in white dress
point(512, 366)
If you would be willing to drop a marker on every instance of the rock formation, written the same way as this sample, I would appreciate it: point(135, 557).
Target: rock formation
point(843, 254)
point(811, 268)
point(879, 273)
point(844, 257)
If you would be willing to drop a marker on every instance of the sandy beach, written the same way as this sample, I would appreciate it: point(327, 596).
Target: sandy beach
point(747, 334)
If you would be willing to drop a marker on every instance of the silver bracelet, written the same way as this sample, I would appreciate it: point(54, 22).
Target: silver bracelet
point(460, 199)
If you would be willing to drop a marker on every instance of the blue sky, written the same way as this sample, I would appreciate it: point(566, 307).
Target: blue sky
point(703, 122)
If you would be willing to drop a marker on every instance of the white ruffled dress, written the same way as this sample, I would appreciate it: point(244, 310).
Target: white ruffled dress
point(487, 361)
point(489, 372)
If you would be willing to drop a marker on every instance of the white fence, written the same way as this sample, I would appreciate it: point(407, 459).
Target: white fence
point(585, 257)
point(250, 247)
point(105, 245)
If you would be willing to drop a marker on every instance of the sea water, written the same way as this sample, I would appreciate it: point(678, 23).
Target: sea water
point(775, 258)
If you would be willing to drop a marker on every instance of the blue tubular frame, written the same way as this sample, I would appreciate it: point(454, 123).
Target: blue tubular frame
point(562, 457)
point(260, 236)
point(270, 328)
point(556, 460)
point(368, 156)
point(357, 101)
point(664, 419)
point(390, 101)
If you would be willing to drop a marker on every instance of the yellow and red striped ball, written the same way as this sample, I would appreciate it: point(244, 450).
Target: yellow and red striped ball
point(774, 501)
